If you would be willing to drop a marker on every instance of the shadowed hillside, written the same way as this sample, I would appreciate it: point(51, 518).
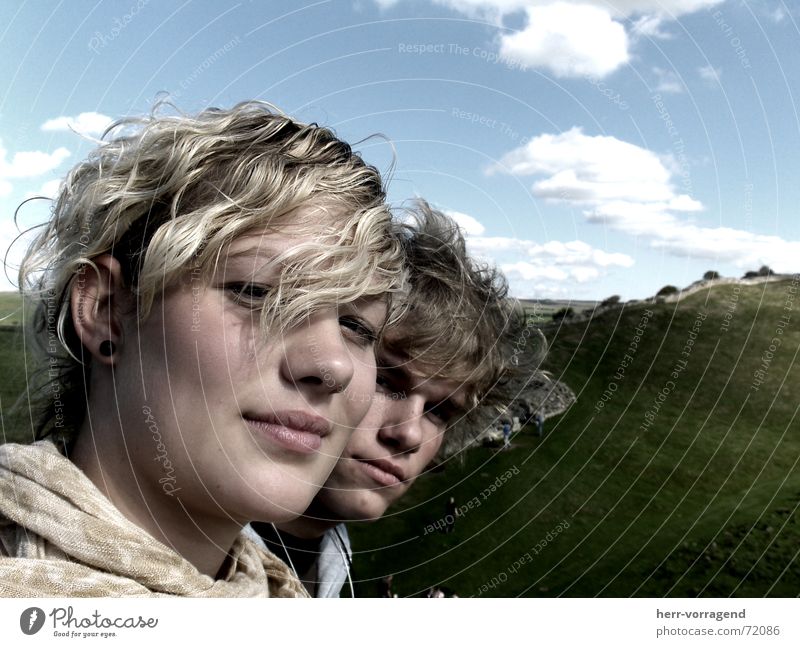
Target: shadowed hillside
point(15, 421)
point(676, 471)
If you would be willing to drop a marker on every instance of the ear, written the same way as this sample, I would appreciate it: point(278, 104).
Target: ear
point(98, 301)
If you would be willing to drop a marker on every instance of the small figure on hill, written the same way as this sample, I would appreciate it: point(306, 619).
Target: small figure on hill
point(450, 514)
point(506, 435)
point(386, 586)
point(539, 420)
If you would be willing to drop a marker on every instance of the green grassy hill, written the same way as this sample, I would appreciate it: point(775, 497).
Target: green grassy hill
point(676, 471)
point(14, 421)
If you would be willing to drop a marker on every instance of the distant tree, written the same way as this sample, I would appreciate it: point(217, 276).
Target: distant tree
point(667, 290)
point(750, 275)
point(564, 313)
point(611, 301)
point(710, 275)
point(765, 270)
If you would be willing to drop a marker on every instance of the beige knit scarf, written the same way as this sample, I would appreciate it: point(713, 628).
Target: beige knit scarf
point(61, 537)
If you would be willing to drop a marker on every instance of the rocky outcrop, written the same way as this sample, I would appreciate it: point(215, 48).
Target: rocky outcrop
point(544, 394)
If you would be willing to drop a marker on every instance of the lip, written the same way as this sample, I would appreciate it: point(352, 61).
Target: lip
point(296, 431)
point(382, 471)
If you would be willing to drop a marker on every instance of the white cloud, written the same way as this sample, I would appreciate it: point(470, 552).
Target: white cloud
point(545, 269)
point(50, 189)
point(491, 246)
point(577, 253)
point(667, 81)
point(569, 40)
point(532, 272)
point(86, 123)
point(589, 169)
point(666, 8)
point(709, 73)
point(15, 238)
point(553, 267)
point(574, 37)
point(630, 189)
point(620, 8)
point(778, 14)
point(468, 224)
point(490, 10)
point(27, 164)
point(649, 27)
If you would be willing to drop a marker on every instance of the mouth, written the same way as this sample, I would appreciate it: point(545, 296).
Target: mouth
point(382, 471)
point(296, 431)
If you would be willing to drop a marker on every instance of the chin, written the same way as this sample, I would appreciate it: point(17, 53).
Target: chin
point(279, 508)
point(373, 510)
point(368, 506)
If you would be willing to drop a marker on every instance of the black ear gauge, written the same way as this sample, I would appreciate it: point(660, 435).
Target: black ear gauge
point(107, 348)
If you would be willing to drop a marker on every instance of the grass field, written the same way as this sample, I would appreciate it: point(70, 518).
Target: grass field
point(10, 309)
point(684, 482)
point(541, 310)
point(16, 423)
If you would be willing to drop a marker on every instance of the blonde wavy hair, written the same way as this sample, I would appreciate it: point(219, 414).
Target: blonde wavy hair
point(166, 194)
point(459, 324)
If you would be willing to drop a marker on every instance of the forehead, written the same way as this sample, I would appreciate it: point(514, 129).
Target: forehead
point(306, 223)
point(303, 233)
point(258, 248)
point(267, 252)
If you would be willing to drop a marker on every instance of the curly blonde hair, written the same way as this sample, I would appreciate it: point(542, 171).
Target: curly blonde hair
point(168, 194)
point(459, 324)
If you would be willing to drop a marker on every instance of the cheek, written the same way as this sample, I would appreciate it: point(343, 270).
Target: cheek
point(428, 452)
point(340, 478)
point(364, 439)
point(361, 391)
point(222, 348)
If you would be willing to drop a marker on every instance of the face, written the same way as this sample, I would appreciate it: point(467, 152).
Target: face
point(400, 435)
point(239, 428)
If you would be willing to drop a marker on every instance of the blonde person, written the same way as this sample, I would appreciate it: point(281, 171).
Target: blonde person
point(206, 295)
point(458, 355)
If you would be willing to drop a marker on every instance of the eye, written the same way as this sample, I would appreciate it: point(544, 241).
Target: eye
point(248, 294)
point(440, 413)
point(382, 384)
point(358, 330)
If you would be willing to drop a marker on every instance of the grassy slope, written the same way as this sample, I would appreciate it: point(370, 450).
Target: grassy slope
point(667, 510)
point(15, 420)
point(15, 417)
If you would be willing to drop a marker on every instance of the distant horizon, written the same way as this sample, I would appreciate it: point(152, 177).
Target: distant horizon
point(775, 276)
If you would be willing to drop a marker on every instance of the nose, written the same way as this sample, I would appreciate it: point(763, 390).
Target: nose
point(316, 357)
point(402, 432)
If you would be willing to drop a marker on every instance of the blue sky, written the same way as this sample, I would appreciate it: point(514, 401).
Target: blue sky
point(588, 147)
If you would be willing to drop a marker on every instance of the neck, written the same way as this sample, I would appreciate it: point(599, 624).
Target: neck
point(202, 541)
point(313, 523)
